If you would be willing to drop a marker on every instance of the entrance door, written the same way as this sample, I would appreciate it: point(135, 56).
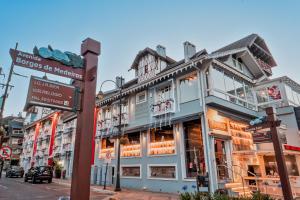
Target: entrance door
point(221, 161)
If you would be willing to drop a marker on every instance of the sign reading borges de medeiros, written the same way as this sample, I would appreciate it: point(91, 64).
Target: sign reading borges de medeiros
point(51, 94)
point(32, 61)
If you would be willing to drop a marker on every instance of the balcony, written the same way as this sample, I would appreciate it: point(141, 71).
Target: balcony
point(163, 107)
point(68, 130)
point(124, 119)
point(104, 124)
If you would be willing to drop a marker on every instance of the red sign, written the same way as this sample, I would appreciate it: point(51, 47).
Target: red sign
point(5, 152)
point(262, 137)
point(291, 148)
point(51, 94)
point(31, 61)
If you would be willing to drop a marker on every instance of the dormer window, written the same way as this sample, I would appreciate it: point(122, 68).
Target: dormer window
point(146, 69)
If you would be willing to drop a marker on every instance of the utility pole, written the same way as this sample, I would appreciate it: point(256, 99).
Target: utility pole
point(4, 96)
point(6, 88)
point(118, 185)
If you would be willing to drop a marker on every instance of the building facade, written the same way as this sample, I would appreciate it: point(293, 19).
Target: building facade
point(180, 118)
point(50, 138)
point(13, 138)
point(183, 118)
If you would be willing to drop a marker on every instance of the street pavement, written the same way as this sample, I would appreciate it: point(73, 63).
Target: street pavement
point(16, 189)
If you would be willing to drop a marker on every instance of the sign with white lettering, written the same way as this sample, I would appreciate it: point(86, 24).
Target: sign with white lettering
point(51, 94)
point(264, 137)
point(38, 63)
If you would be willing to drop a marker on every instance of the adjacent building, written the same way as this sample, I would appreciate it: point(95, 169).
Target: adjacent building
point(13, 137)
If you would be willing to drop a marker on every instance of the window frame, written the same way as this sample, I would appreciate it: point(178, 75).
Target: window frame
point(140, 94)
point(162, 165)
point(197, 85)
point(158, 155)
point(131, 165)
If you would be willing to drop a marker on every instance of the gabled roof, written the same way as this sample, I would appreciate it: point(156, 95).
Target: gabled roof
point(255, 44)
point(244, 42)
point(146, 51)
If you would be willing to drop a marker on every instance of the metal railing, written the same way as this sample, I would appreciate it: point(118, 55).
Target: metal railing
point(235, 173)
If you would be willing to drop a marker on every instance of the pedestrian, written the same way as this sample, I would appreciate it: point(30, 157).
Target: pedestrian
point(1, 167)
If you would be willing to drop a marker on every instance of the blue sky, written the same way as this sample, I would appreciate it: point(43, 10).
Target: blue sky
point(125, 27)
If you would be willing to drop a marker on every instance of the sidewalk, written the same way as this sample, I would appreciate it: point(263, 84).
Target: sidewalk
point(125, 194)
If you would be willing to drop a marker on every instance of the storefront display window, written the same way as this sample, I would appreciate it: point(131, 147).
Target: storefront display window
point(107, 145)
point(167, 172)
point(131, 146)
point(162, 141)
point(271, 166)
point(131, 171)
point(194, 154)
point(188, 88)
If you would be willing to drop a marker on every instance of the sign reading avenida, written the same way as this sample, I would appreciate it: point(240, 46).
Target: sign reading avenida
point(35, 62)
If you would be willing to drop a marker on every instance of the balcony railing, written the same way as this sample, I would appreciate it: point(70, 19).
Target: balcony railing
point(163, 107)
point(124, 119)
point(104, 124)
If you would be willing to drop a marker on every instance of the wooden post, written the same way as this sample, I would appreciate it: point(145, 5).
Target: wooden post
point(80, 188)
point(280, 159)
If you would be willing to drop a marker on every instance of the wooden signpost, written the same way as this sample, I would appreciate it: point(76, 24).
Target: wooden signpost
point(272, 135)
point(61, 96)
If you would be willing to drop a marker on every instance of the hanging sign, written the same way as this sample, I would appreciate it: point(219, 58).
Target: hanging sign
point(50, 65)
point(51, 94)
point(5, 152)
point(264, 137)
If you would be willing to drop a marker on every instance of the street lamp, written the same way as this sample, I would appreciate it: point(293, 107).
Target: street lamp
point(100, 96)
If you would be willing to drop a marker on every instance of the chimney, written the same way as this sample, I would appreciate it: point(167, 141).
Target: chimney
point(119, 80)
point(161, 50)
point(189, 50)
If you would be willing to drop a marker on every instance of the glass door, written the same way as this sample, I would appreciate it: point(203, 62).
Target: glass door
point(221, 161)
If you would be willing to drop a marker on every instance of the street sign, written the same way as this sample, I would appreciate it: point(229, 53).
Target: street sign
point(38, 63)
point(264, 137)
point(5, 152)
point(264, 125)
point(107, 158)
point(51, 94)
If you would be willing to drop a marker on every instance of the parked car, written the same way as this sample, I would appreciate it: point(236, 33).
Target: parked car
point(14, 171)
point(40, 173)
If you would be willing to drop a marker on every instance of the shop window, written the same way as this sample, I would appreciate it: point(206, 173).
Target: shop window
point(162, 172)
point(141, 97)
point(188, 88)
point(131, 145)
point(162, 141)
point(107, 145)
point(271, 166)
point(131, 171)
point(193, 143)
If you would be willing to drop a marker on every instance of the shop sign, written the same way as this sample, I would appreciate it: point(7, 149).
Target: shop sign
point(264, 137)
point(291, 148)
point(51, 94)
point(50, 66)
point(5, 152)
point(215, 125)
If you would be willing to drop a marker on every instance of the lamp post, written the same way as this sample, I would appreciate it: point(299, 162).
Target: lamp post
point(117, 184)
